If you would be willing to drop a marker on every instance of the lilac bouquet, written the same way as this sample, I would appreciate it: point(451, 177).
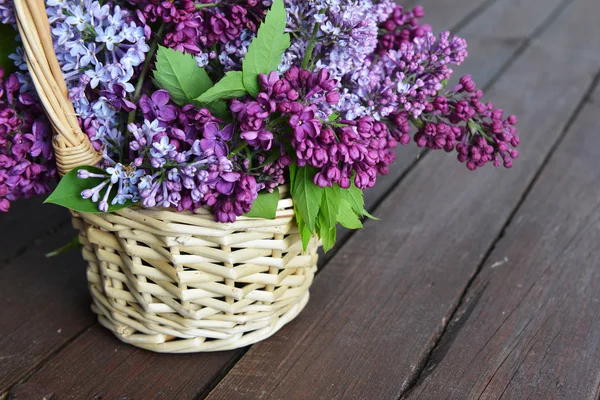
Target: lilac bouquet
point(216, 103)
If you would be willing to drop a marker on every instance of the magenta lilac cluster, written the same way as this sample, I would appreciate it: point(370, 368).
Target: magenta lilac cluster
point(26, 159)
point(478, 131)
point(199, 27)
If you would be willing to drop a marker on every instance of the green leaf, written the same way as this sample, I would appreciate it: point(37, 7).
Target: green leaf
point(265, 206)
point(330, 205)
point(327, 234)
point(231, 86)
point(8, 45)
point(355, 197)
point(293, 170)
point(68, 192)
point(305, 233)
point(333, 117)
point(365, 213)
point(347, 216)
point(179, 74)
point(266, 50)
point(307, 196)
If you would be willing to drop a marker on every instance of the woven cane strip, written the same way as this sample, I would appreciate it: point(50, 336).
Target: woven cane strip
point(169, 281)
point(72, 147)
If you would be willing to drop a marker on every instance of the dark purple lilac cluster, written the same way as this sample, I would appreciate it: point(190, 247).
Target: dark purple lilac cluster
point(26, 159)
point(478, 131)
point(197, 27)
point(401, 27)
point(299, 102)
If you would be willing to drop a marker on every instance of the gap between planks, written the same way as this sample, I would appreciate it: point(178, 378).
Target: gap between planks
point(451, 325)
point(40, 364)
point(466, 302)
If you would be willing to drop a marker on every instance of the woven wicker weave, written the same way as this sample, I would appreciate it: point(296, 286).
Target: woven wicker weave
point(169, 281)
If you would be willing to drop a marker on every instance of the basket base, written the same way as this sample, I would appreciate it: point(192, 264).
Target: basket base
point(162, 343)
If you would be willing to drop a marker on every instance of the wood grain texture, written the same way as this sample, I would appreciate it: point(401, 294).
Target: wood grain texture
point(379, 307)
point(26, 224)
point(97, 366)
point(45, 303)
point(529, 326)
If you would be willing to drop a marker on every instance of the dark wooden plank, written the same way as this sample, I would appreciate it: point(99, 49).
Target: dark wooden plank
point(529, 325)
point(501, 30)
point(26, 223)
point(443, 15)
point(96, 365)
point(380, 305)
point(45, 303)
point(78, 363)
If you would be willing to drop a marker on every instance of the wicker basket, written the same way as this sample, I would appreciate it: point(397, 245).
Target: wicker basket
point(169, 281)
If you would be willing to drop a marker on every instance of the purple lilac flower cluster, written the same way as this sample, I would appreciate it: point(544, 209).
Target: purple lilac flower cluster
point(181, 159)
point(405, 79)
point(345, 33)
point(98, 47)
point(199, 26)
point(340, 150)
point(357, 77)
point(26, 158)
point(486, 137)
point(7, 13)
point(401, 27)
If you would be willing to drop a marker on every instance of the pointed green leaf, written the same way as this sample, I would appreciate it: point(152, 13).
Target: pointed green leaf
point(365, 213)
point(293, 168)
point(305, 233)
point(330, 205)
point(347, 216)
point(266, 50)
point(179, 74)
point(231, 86)
point(68, 192)
point(327, 234)
point(265, 206)
point(307, 196)
point(355, 197)
point(219, 109)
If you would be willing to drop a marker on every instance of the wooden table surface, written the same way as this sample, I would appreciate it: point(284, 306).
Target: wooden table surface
point(480, 285)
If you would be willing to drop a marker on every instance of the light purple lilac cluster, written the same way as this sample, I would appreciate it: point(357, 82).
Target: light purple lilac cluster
point(181, 158)
point(343, 33)
point(7, 13)
point(26, 159)
point(98, 47)
point(403, 79)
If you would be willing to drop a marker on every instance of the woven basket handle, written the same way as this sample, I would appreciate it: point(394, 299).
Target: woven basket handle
point(72, 147)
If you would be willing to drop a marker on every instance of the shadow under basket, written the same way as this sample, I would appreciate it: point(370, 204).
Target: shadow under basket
point(179, 282)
